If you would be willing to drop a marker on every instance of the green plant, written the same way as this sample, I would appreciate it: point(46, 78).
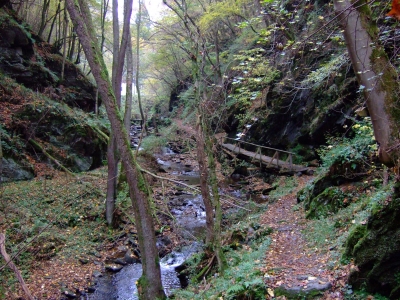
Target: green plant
point(284, 186)
point(242, 280)
point(153, 143)
point(254, 75)
point(349, 155)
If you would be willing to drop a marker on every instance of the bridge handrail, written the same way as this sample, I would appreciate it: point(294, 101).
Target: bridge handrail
point(269, 148)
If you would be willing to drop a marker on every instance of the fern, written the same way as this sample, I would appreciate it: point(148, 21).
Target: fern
point(235, 289)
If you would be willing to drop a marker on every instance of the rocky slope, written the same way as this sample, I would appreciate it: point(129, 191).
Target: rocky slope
point(45, 121)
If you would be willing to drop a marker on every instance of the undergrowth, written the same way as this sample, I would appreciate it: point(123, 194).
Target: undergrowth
point(44, 218)
point(242, 280)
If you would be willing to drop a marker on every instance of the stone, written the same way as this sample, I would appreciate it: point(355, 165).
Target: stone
point(13, 171)
point(97, 274)
point(113, 268)
point(131, 258)
point(83, 260)
point(68, 293)
point(314, 287)
point(120, 261)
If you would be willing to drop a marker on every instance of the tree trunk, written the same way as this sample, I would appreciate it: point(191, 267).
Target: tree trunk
point(129, 82)
point(115, 49)
point(71, 50)
point(64, 44)
point(112, 173)
point(104, 10)
point(43, 21)
point(118, 65)
point(376, 76)
point(149, 285)
point(137, 81)
point(203, 170)
point(217, 243)
point(54, 21)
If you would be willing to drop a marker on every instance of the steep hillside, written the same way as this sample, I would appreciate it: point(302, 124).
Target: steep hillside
point(46, 122)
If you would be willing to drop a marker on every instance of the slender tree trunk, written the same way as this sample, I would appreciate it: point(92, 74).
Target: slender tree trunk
point(104, 10)
point(149, 285)
point(43, 21)
point(217, 243)
point(118, 65)
point(78, 54)
point(205, 192)
point(137, 81)
point(71, 50)
point(112, 173)
point(376, 76)
point(54, 21)
point(129, 82)
point(65, 43)
point(115, 47)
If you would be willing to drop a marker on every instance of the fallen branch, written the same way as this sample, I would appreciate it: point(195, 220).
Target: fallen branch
point(37, 146)
point(101, 133)
point(13, 266)
point(203, 273)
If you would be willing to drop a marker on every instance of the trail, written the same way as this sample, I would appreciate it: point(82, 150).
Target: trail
point(292, 263)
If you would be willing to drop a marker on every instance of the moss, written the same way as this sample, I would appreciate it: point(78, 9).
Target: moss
point(366, 15)
point(354, 237)
point(326, 203)
point(376, 249)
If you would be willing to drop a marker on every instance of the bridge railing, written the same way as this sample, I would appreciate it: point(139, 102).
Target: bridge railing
point(288, 163)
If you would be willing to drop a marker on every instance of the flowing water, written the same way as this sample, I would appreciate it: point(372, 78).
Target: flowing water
point(122, 285)
point(190, 215)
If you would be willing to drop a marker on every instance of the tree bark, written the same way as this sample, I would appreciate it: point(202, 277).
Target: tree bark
point(376, 76)
point(43, 21)
point(217, 243)
point(129, 82)
point(205, 192)
point(103, 13)
point(65, 43)
point(137, 81)
point(54, 21)
point(118, 65)
point(149, 285)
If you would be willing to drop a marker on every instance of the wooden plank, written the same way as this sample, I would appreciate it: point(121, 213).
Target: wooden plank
point(270, 162)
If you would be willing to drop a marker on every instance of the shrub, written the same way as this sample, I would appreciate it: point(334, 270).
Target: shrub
point(345, 155)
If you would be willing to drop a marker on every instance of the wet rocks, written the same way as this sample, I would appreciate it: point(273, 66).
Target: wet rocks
point(113, 267)
point(69, 294)
point(305, 286)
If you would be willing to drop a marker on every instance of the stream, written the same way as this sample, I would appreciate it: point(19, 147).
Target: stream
point(190, 216)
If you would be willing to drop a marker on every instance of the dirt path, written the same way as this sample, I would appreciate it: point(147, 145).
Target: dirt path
point(292, 265)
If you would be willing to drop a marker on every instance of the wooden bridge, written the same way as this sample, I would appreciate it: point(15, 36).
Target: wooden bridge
point(257, 158)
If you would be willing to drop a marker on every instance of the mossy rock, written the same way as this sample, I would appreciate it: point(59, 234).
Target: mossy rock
point(376, 252)
point(315, 188)
point(326, 203)
point(354, 237)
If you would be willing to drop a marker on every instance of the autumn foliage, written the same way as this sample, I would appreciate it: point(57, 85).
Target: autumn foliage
point(395, 11)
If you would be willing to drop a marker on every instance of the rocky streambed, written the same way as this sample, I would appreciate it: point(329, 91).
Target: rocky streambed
point(118, 281)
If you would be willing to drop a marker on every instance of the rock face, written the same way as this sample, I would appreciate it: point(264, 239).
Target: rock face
point(38, 108)
point(376, 251)
point(34, 64)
